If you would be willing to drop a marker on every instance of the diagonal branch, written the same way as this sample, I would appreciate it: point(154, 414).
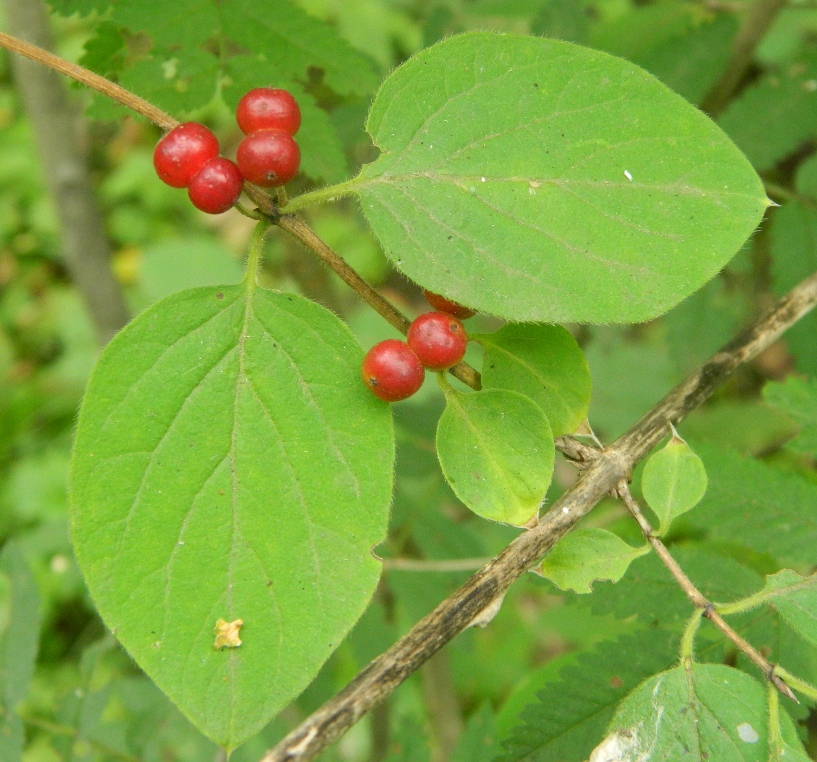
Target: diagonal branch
point(695, 595)
point(457, 612)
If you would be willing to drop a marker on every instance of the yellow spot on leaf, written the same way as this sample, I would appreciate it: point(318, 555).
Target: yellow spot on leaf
point(227, 634)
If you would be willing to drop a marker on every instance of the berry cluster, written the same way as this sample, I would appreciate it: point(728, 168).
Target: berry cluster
point(188, 156)
point(394, 369)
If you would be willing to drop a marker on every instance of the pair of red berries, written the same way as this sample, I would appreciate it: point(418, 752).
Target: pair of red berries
point(188, 156)
point(394, 369)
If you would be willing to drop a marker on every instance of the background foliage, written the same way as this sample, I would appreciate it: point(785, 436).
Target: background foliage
point(83, 699)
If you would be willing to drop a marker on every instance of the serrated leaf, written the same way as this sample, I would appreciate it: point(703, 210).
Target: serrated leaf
point(571, 714)
point(587, 555)
point(544, 363)
point(573, 182)
point(650, 592)
point(752, 504)
point(227, 463)
point(706, 712)
point(673, 481)
point(768, 120)
point(798, 398)
point(496, 451)
point(795, 599)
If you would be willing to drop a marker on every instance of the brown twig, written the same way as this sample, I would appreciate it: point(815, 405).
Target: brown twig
point(756, 23)
point(458, 611)
point(89, 78)
point(296, 227)
point(695, 595)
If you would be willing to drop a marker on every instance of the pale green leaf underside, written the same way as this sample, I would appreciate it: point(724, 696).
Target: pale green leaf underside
point(229, 465)
point(587, 555)
point(505, 176)
point(712, 713)
point(542, 362)
point(496, 451)
point(673, 482)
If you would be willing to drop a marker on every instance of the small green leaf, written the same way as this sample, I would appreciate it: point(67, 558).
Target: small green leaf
point(587, 555)
point(708, 712)
point(228, 463)
point(544, 363)
point(496, 451)
point(574, 183)
point(674, 480)
point(798, 398)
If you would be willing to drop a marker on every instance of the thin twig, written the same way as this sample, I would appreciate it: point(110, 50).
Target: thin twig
point(458, 611)
point(296, 227)
point(89, 78)
point(695, 595)
point(755, 25)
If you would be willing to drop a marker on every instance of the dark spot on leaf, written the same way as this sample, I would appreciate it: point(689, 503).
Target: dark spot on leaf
point(615, 681)
point(219, 295)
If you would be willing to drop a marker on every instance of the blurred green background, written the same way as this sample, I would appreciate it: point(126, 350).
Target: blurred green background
point(87, 700)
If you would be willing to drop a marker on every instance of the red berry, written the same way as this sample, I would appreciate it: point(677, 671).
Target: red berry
point(216, 187)
point(392, 371)
point(268, 108)
point(441, 304)
point(438, 339)
point(181, 153)
point(268, 157)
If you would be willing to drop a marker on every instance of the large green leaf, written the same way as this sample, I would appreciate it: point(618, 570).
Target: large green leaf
point(542, 362)
point(496, 451)
point(230, 465)
point(543, 181)
point(705, 712)
point(798, 398)
point(795, 598)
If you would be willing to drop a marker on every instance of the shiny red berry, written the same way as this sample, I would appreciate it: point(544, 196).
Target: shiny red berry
point(181, 154)
point(216, 187)
point(268, 108)
point(438, 339)
point(392, 371)
point(268, 158)
point(441, 304)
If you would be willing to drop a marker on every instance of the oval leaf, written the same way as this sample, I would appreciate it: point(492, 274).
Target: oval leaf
point(709, 712)
point(674, 480)
point(496, 451)
point(228, 463)
point(587, 555)
point(544, 363)
point(574, 183)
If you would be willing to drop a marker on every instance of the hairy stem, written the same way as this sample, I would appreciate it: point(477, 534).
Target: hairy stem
point(604, 473)
point(695, 595)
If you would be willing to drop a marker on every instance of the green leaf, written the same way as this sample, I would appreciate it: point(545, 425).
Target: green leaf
point(587, 555)
point(496, 451)
point(752, 504)
point(798, 398)
point(19, 638)
point(795, 599)
point(478, 741)
point(544, 363)
point(571, 713)
point(508, 160)
point(771, 118)
point(707, 712)
point(673, 481)
point(563, 20)
point(227, 464)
